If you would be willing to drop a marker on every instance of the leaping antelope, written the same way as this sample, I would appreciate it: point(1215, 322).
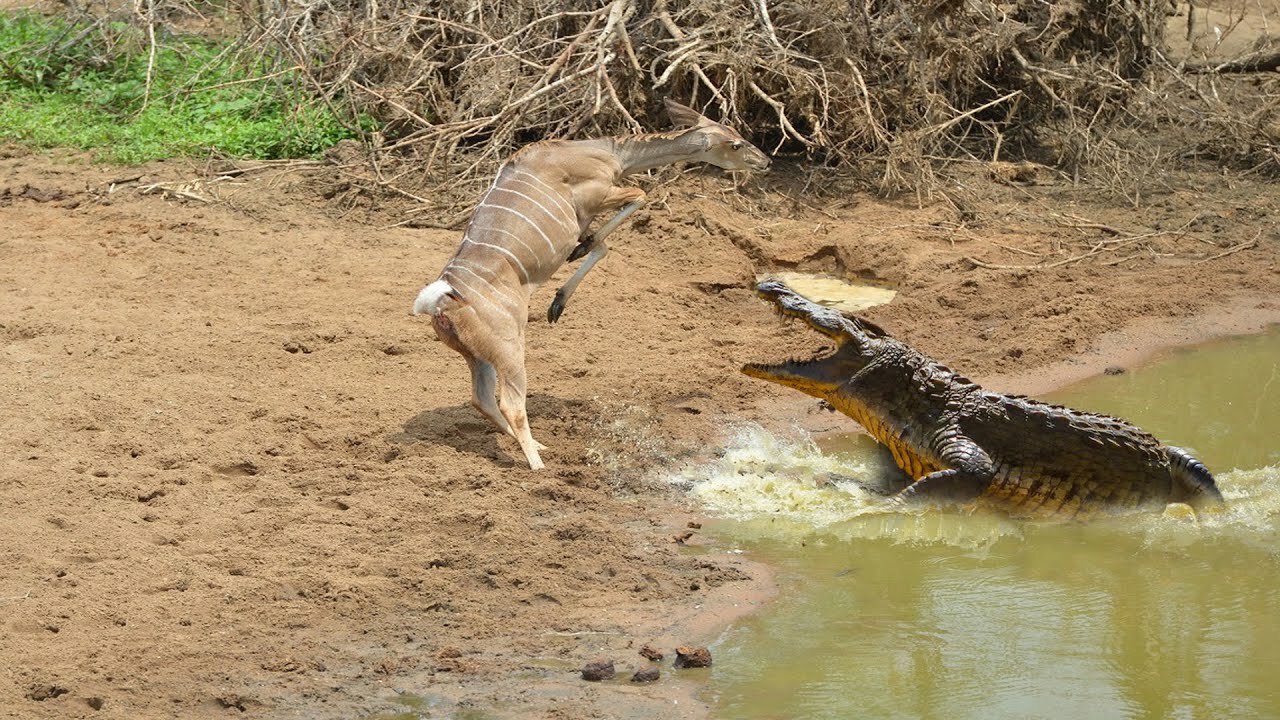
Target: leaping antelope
point(530, 222)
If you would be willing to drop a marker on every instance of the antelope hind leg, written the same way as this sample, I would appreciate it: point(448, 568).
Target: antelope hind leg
point(484, 393)
point(511, 401)
point(484, 373)
point(484, 396)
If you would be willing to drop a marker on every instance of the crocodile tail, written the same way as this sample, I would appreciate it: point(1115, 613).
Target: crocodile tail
point(1193, 483)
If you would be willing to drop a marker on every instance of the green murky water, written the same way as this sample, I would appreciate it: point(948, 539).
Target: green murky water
point(934, 615)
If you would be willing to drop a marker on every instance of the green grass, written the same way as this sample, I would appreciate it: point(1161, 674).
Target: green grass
point(91, 97)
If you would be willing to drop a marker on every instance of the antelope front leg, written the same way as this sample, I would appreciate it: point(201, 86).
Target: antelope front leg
point(585, 243)
point(599, 250)
point(634, 199)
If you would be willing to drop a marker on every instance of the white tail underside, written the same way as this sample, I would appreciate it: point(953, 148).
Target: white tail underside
point(429, 299)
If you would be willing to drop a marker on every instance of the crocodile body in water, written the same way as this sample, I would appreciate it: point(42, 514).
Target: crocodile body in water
point(960, 443)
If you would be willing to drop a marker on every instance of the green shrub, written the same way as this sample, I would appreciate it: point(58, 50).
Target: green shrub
point(57, 91)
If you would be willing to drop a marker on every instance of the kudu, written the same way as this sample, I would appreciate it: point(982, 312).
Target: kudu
point(530, 222)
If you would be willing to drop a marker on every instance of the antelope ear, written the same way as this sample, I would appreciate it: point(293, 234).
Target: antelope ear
point(684, 116)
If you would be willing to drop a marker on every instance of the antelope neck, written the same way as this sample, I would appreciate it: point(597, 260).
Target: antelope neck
point(638, 153)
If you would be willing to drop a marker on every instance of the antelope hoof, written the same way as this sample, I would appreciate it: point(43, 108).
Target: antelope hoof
point(583, 247)
point(557, 307)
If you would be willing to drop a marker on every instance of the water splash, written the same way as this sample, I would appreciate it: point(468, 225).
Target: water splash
point(1250, 515)
point(786, 486)
point(762, 475)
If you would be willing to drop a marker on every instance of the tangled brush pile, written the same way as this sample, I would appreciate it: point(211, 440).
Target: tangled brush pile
point(887, 85)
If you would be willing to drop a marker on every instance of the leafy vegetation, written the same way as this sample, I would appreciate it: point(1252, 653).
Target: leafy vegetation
point(65, 85)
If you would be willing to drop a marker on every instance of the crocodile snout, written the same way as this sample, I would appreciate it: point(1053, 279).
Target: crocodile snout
point(789, 303)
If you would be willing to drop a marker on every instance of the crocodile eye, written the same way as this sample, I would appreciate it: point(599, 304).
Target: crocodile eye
point(737, 145)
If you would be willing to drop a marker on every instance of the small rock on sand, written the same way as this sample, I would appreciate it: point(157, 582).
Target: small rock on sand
point(691, 657)
point(646, 675)
point(648, 653)
point(598, 670)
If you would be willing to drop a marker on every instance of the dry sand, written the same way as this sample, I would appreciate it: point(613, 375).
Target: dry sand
point(239, 480)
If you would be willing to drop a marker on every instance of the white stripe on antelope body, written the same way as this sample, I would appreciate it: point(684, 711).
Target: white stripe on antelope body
point(531, 221)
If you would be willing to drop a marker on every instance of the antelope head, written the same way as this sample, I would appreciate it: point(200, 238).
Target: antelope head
point(722, 146)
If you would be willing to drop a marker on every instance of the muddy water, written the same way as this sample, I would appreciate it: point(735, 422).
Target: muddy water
point(834, 292)
point(934, 615)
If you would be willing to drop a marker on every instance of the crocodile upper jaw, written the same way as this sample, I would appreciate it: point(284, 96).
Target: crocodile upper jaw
point(790, 304)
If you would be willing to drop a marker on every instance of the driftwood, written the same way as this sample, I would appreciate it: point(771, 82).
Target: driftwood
point(1267, 61)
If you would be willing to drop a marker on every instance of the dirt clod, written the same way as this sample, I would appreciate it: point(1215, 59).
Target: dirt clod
point(45, 691)
point(232, 701)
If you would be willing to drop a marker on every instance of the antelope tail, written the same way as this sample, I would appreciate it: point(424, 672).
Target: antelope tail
point(429, 299)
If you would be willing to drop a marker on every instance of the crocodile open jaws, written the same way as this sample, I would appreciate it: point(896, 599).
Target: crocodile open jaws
point(962, 444)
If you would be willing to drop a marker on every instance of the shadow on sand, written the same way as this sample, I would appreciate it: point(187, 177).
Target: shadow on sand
point(464, 429)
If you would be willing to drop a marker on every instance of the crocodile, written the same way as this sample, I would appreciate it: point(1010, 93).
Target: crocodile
point(961, 444)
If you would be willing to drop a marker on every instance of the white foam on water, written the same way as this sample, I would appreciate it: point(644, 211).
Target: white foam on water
point(1250, 514)
point(784, 485)
point(760, 474)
